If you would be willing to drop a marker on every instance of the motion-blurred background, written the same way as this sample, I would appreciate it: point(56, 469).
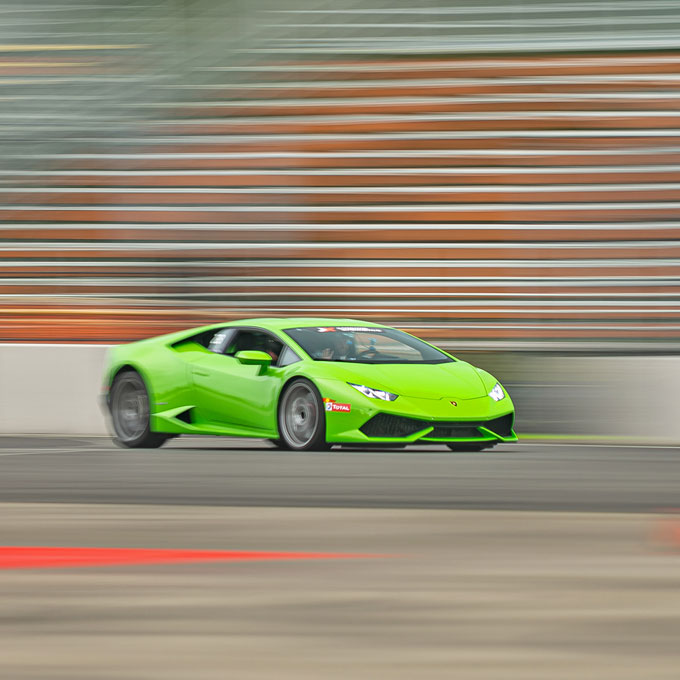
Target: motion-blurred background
point(498, 177)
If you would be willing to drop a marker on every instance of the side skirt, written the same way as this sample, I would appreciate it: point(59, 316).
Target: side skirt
point(168, 422)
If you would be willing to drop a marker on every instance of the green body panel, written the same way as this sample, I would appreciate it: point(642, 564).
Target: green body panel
point(228, 397)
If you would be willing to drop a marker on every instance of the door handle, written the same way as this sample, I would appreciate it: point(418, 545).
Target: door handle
point(197, 372)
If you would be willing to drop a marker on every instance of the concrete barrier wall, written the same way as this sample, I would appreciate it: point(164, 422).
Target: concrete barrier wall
point(634, 397)
point(53, 389)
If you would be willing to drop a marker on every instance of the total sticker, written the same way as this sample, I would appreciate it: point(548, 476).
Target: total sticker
point(332, 405)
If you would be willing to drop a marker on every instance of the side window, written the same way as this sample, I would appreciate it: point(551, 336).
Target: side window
point(288, 356)
point(220, 339)
point(257, 340)
point(214, 340)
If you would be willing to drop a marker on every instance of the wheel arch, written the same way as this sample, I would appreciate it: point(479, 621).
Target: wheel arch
point(146, 438)
point(291, 379)
point(127, 366)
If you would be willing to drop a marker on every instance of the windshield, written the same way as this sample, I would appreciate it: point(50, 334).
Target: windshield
point(365, 345)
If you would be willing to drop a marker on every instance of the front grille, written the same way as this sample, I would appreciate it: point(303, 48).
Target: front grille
point(458, 431)
point(386, 425)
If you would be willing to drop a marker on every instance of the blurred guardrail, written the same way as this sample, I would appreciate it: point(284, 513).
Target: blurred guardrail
point(489, 175)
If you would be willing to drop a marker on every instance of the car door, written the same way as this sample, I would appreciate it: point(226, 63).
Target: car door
point(229, 393)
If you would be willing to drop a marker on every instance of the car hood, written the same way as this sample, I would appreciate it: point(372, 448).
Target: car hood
point(456, 379)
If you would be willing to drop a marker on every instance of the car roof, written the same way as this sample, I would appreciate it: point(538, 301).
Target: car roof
point(281, 323)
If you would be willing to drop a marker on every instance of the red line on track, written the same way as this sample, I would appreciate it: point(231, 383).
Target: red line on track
point(667, 533)
point(42, 557)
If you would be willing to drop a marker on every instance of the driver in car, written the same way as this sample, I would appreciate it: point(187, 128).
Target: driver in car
point(338, 347)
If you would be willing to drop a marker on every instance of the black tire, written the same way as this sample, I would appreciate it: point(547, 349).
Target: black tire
point(373, 446)
point(464, 447)
point(302, 418)
point(129, 406)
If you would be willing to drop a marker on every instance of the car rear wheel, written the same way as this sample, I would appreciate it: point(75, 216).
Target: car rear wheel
point(302, 419)
point(129, 403)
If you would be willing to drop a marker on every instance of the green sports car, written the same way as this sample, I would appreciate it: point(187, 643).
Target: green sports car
point(304, 384)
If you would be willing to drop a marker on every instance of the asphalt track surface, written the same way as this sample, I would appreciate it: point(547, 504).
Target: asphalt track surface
point(229, 472)
point(527, 562)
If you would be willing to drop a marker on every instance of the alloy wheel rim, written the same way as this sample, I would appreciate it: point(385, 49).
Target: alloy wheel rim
point(130, 410)
point(300, 415)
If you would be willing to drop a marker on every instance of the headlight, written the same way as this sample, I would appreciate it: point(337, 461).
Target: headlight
point(497, 392)
point(374, 394)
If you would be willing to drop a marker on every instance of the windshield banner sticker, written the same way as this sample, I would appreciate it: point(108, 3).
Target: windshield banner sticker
point(358, 329)
point(332, 405)
point(347, 329)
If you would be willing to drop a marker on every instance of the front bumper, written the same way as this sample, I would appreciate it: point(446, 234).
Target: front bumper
point(411, 419)
point(387, 425)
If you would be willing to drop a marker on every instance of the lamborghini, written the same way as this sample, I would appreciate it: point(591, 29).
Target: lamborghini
point(303, 384)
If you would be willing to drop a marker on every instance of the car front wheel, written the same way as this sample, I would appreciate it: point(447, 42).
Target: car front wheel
point(302, 419)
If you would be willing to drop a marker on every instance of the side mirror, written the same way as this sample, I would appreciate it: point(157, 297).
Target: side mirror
point(254, 357)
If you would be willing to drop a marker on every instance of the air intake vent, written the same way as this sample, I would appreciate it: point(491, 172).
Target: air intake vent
point(386, 425)
point(455, 431)
point(185, 416)
point(501, 426)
